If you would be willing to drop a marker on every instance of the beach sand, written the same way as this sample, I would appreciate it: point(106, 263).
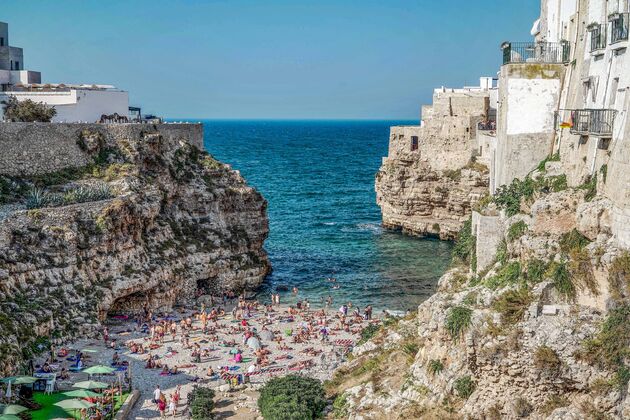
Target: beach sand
point(239, 403)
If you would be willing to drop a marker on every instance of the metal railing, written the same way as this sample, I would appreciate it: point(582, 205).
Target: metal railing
point(536, 52)
point(598, 37)
point(486, 125)
point(593, 122)
point(619, 27)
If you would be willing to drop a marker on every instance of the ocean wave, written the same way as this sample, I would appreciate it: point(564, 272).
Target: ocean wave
point(373, 228)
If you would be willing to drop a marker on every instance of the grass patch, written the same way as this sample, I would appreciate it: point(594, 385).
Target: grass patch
point(554, 402)
point(573, 240)
point(561, 278)
point(581, 270)
point(553, 158)
point(535, 270)
point(464, 386)
point(508, 274)
point(458, 320)
point(619, 276)
point(517, 230)
point(464, 244)
point(435, 367)
point(546, 359)
point(512, 305)
point(590, 186)
point(612, 344)
point(368, 332)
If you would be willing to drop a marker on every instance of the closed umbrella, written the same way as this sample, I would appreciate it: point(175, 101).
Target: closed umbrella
point(266, 335)
point(253, 343)
point(91, 385)
point(82, 393)
point(13, 409)
point(99, 370)
point(8, 394)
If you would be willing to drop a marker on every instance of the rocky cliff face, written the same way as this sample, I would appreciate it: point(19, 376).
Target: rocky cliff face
point(543, 332)
point(174, 223)
point(422, 201)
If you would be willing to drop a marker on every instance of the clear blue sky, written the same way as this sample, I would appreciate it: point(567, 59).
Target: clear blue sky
point(372, 59)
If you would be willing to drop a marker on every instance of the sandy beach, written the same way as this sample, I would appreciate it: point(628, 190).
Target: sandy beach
point(293, 340)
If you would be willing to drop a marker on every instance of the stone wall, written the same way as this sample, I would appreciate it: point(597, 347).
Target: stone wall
point(529, 94)
point(488, 231)
point(38, 148)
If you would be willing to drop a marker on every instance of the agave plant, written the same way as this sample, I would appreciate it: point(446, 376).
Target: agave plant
point(37, 198)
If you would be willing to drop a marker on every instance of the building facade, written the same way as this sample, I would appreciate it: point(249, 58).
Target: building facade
point(73, 103)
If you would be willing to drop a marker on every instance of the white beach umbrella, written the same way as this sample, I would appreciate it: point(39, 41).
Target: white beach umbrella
point(253, 343)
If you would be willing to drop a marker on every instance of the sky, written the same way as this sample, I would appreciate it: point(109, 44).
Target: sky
point(269, 59)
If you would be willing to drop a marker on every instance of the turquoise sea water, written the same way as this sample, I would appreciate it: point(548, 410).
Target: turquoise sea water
point(318, 177)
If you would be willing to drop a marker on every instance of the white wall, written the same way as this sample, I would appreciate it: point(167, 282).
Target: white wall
point(81, 104)
point(531, 103)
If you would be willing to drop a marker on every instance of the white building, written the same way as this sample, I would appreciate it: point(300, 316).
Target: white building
point(73, 103)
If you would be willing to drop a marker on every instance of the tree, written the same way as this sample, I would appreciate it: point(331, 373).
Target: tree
point(292, 397)
point(27, 111)
point(201, 403)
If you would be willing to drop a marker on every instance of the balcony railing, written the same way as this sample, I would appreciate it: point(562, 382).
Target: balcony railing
point(592, 122)
point(619, 27)
point(598, 37)
point(487, 125)
point(536, 52)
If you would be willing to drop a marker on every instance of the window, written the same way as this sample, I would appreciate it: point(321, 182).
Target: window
point(619, 30)
point(17, 65)
point(1, 41)
point(603, 144)
point(613, 92)
point(414, 143)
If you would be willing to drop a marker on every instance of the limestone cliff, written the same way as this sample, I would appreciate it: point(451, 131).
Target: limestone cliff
point(171, 224)
point(541, 332)
point(422, 201)
point(432, 176)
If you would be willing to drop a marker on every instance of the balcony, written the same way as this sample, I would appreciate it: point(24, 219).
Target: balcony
point(487, 125)
point(536, 52)
point(598, 36)
point(619, 27)
point(592, 122)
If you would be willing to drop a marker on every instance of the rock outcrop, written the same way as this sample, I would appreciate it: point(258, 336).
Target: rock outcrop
point(174, 224)
point(422, 201)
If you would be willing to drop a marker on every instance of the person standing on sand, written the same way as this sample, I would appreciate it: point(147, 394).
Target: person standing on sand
point(162, 405)
point(156, 394)
point(172, 407)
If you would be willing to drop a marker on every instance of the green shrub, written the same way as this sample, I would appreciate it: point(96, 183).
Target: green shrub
point(562, 280)
point(470, 299)
point(27, 110)
point(512, 305)
point(536, 270)
point(340, 407)
point(502, 252)
point(453, 175)
point(465, 243)
point(604, 171)
point(464, 386)
point(368, 332)
point(292, 397)
point(285, 407)
point(201, 403)
point(458, 320)
point(553, 158)
point(517, 230)
point(508, 274)
point(573, 240)
point(435, 367)
point(591, 187)
point(611, 346)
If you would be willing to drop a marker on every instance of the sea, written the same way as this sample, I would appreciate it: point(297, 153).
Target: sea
point(318, 178)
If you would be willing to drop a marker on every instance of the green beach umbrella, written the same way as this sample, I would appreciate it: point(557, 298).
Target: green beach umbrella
point(20, 380)
point(13, 409)
point(82, 393)
point(99, 369)
point(74, 404)
point(9, 417)
point(91, 385)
